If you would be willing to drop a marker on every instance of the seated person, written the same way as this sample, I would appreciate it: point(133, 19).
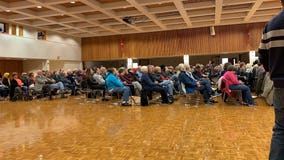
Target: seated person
point(128, 80)
point(231, 79)
point(25, 79)
point(69, 81)
point(53, 84)
point(197, 72)
point(16, 82)
point(241, 72)
point(203, 80)
point(42, 81)
point(98, 76)
point(115, 85)
point(4, 90)
point(156, 75)
point(149, 85)
point(6, 79)
point(103, 72)
point(78, 81)
point(191, 84)
point(96, 81)
point(31, 77)
point(132, 74)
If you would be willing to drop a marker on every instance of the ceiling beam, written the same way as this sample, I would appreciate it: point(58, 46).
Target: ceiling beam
point(98, 6)
point(182, 12)
point(143, 10)
point(149, 2)
point(236, 2)
point(218, 11)
point(65, 11)
point(21, 5)
point(254, 8)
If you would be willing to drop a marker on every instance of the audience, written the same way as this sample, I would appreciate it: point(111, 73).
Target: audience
point(165, 80)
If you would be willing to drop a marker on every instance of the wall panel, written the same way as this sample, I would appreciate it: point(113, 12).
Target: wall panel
point(11, 66)
point(236, 38)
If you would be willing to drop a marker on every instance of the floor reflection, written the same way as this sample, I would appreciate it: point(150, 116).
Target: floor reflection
point(77, 128)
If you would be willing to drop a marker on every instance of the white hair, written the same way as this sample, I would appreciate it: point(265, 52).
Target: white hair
point(181, 67)
point(144, 69)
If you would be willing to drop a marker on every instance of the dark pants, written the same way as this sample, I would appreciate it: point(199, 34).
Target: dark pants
point(4, 92)
point(70, 86)
point(277, 141)
point(161, 90)
point(205, 92)
point(207, 84)
point(245, 92)
point(100, 87)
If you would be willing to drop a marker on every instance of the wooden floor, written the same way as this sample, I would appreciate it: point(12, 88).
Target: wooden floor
point(81, 129)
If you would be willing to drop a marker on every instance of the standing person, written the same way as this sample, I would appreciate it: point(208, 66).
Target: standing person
point(271, 56)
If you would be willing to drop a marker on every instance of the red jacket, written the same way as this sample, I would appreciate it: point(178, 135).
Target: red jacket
point(229, 79)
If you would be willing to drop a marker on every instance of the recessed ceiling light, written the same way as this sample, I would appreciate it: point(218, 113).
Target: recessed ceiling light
point(72, 2)
point(38, 6)
point(8, 10)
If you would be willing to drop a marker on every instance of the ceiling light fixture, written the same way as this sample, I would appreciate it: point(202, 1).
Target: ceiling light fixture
point(38, 6)
point(73, 2)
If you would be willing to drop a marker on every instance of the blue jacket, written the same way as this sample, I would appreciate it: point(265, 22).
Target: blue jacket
point(190, 83)
point(113, 82)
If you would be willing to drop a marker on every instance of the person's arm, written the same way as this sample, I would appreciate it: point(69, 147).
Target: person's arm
point(40, 80)
point(116, 81)
point(93, 80)
point(99, 79)
point(187, 81)
point(148, 80)
point(263, 50)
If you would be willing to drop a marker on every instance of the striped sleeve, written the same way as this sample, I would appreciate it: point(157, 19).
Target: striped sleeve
point(263, 50)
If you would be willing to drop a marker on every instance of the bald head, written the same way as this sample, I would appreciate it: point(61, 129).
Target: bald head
point(39, 72)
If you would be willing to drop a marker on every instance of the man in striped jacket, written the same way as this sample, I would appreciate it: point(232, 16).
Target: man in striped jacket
point(271, 55)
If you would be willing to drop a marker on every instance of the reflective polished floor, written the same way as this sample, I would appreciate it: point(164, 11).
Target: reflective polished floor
point(82, 129)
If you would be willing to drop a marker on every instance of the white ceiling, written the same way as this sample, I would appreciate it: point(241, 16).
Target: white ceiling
point(88, 18)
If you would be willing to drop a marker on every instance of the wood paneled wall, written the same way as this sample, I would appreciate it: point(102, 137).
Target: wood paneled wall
point(11, 66)
point(236, 38)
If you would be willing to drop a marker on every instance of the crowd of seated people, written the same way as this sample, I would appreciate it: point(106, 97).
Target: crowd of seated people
point(191, 84)
point(165, 80)
point(96, 81)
